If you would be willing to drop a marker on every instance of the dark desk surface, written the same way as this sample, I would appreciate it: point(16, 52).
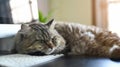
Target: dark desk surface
point(77, 61)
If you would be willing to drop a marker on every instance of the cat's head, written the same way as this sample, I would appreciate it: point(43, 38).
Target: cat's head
point(37, 37)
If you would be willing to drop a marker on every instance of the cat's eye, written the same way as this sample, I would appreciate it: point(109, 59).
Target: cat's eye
point(42, 41)
point(23, 36)
point(54, 39)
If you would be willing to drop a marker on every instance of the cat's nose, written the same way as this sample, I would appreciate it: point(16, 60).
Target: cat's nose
point(50, 44)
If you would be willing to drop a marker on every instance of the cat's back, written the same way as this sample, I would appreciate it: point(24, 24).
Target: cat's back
point(75, 29)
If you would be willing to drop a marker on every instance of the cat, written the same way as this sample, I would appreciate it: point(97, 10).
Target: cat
point(68, 39)
point(38, 38)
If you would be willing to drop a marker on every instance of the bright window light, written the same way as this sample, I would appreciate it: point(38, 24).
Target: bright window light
point(21, 11)
point(114, 17)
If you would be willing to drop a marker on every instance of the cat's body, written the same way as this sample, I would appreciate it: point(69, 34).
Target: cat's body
point(71, 38)
point(89, 40)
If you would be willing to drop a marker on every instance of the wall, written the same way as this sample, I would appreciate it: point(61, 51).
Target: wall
point(72, 10)
point(43, 6)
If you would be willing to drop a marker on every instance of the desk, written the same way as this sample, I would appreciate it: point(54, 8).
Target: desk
point(20, 60)
point(76, 61)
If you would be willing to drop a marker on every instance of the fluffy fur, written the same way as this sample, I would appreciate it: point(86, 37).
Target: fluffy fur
point(89, 40)
point(71, 38)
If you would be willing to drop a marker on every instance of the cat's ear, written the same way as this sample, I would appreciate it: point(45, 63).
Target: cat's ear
point(50, 23)
point(24, 26)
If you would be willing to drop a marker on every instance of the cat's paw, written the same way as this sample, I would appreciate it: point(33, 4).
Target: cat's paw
point(113, 48)
point(116, 53)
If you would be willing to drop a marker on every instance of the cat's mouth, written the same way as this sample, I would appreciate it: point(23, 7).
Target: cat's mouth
point(37, 53)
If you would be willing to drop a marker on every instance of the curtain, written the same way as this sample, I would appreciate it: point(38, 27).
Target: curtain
point(5, 12)
point(100, 18)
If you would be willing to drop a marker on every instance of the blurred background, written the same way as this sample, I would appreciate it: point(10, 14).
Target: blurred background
point(101, 13)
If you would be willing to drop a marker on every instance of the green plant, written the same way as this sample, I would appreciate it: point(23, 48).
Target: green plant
point(43, 18)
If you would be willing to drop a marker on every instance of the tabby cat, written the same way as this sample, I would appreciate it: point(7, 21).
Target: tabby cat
point(66, 38)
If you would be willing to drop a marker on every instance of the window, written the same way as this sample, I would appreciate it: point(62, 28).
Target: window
point(114, 16)
point(24, 10)
point(106, 14)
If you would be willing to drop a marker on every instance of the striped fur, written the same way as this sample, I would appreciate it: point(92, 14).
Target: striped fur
point(68, 38)
point(39, 39)
point(43, 30)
